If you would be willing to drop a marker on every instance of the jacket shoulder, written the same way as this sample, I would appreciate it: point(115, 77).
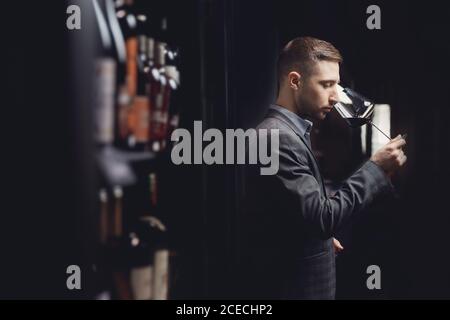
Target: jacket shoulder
point(288, 139)
point(273, 123)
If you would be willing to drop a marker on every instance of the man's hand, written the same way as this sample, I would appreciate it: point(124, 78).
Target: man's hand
point(337, 246)
point(390, 157)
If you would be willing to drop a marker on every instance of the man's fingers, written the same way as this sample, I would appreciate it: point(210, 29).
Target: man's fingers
point(403, 160)
point(398, 143)
point(337, 245)
point(396, 138)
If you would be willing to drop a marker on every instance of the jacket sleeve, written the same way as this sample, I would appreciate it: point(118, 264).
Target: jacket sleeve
point(325, 215)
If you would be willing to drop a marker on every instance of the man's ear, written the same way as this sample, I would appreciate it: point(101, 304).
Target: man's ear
point(294, 80)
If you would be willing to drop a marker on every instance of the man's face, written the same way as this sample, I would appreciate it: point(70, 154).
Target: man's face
point(318, 90)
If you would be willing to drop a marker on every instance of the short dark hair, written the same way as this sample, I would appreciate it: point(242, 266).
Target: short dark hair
point(300, 54)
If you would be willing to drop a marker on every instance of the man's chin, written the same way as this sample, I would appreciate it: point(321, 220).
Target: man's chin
point(321, 115)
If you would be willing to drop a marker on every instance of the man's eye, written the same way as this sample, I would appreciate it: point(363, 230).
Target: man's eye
point(327, 85)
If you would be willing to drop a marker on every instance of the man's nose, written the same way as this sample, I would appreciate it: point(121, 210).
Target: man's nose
point(334, 98)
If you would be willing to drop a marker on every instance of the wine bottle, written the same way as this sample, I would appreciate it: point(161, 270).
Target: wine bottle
point(127, 118)
point(121, 96)
point(142, 64)
point(104, 217)
point(141, 101)
point(161, 263)
point(132, 47)
point(141, 261)
point(158, 94)
point(152, 70)
point(173, 74)
point(101, 265)
point(105, 69)
point(173, 102)
point(123, 110)
point(159, 244)
point(149, 268)
point(175, 106)
point(118, 251)
point(128, 24)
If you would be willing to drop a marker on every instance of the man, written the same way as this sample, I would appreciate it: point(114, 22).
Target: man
point(290, 220)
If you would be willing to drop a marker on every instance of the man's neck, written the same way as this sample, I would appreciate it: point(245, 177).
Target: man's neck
point(285, 103)
point(289, 105)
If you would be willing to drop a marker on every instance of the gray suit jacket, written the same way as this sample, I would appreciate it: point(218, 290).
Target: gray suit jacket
point(290, 220)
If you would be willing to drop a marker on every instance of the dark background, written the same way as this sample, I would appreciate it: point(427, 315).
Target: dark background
point(229, 50)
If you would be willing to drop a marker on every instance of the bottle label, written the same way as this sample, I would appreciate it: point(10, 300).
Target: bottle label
point(142, 282)
point(105, 78)
point(131, 78)
point(122, 114)
point(161, 274)
point(141, 108)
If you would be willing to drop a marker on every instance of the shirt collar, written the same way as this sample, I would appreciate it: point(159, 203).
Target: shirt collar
point(303, 125)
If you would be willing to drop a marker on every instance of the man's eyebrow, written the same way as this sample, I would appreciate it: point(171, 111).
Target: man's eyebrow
point(334, 81)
